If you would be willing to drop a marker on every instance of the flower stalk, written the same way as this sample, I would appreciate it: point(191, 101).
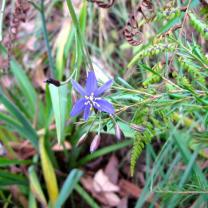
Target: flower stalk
point(45, 34)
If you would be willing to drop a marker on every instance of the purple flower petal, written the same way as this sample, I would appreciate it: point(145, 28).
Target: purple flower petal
point(91, 84)
point(78, 107)
point(103, 88)
point(104, 105)
point(78, 88)
point(86, 112)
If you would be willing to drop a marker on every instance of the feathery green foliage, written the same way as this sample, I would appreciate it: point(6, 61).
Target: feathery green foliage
point(199, 25)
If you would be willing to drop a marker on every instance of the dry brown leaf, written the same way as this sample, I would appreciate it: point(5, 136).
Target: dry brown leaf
point(111, 199)
point(39, 76)
point(123, 203)
point(59, 148)
point(127, 188)
point(102, 183)
point(111, 170)
point(23, 150)
point(18, 196)
point(87, 182)
point(54, 26)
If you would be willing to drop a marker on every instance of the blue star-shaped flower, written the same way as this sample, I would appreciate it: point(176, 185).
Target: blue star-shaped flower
point(91, 97)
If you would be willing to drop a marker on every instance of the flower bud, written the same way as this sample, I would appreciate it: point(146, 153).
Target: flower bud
point(74, 96)
point(82, 139)
point(95, 143)
point(137, 127)
point(118, 132)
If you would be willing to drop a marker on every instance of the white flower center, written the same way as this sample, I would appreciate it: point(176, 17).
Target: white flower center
point(92, 100)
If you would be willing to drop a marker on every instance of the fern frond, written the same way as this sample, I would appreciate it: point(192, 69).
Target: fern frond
point(140, 141)
point(193, 71)
point(198, 25)
point(182, 80)
point(152, 78)
point(199, 52)
point(152, 50)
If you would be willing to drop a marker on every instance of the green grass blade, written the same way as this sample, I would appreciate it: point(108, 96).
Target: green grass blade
point(90, 201)
point(4, 162)
point(182, 145)
point(48, 173)
point(32, 202)
point(59, 103)
point(23, 82)
point(20, 117)
point(7, 179)
point(14, 125)
point(68, 186)
point(35, 187)
point(147, 190)
point(25, 85)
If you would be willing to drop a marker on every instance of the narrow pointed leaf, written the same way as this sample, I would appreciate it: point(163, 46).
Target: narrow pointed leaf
point(61, 44)
point(25, 85)
point(48, 173)
point(36, 187)
point(90, 201)
point(32, 202)
point(4, 162)
point(14, 125)
point(32, 135)
point(68, 186)
point(8, 179)
point(59, 103)
point(23, 82)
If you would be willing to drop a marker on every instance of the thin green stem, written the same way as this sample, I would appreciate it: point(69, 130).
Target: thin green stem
point(45, 34)
point(1, 18)
point(91, 125)
point(84, 194)
point(100, 123)
point(35, 5)
point(79, 33)
point(68, 79)
point(132, 90)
